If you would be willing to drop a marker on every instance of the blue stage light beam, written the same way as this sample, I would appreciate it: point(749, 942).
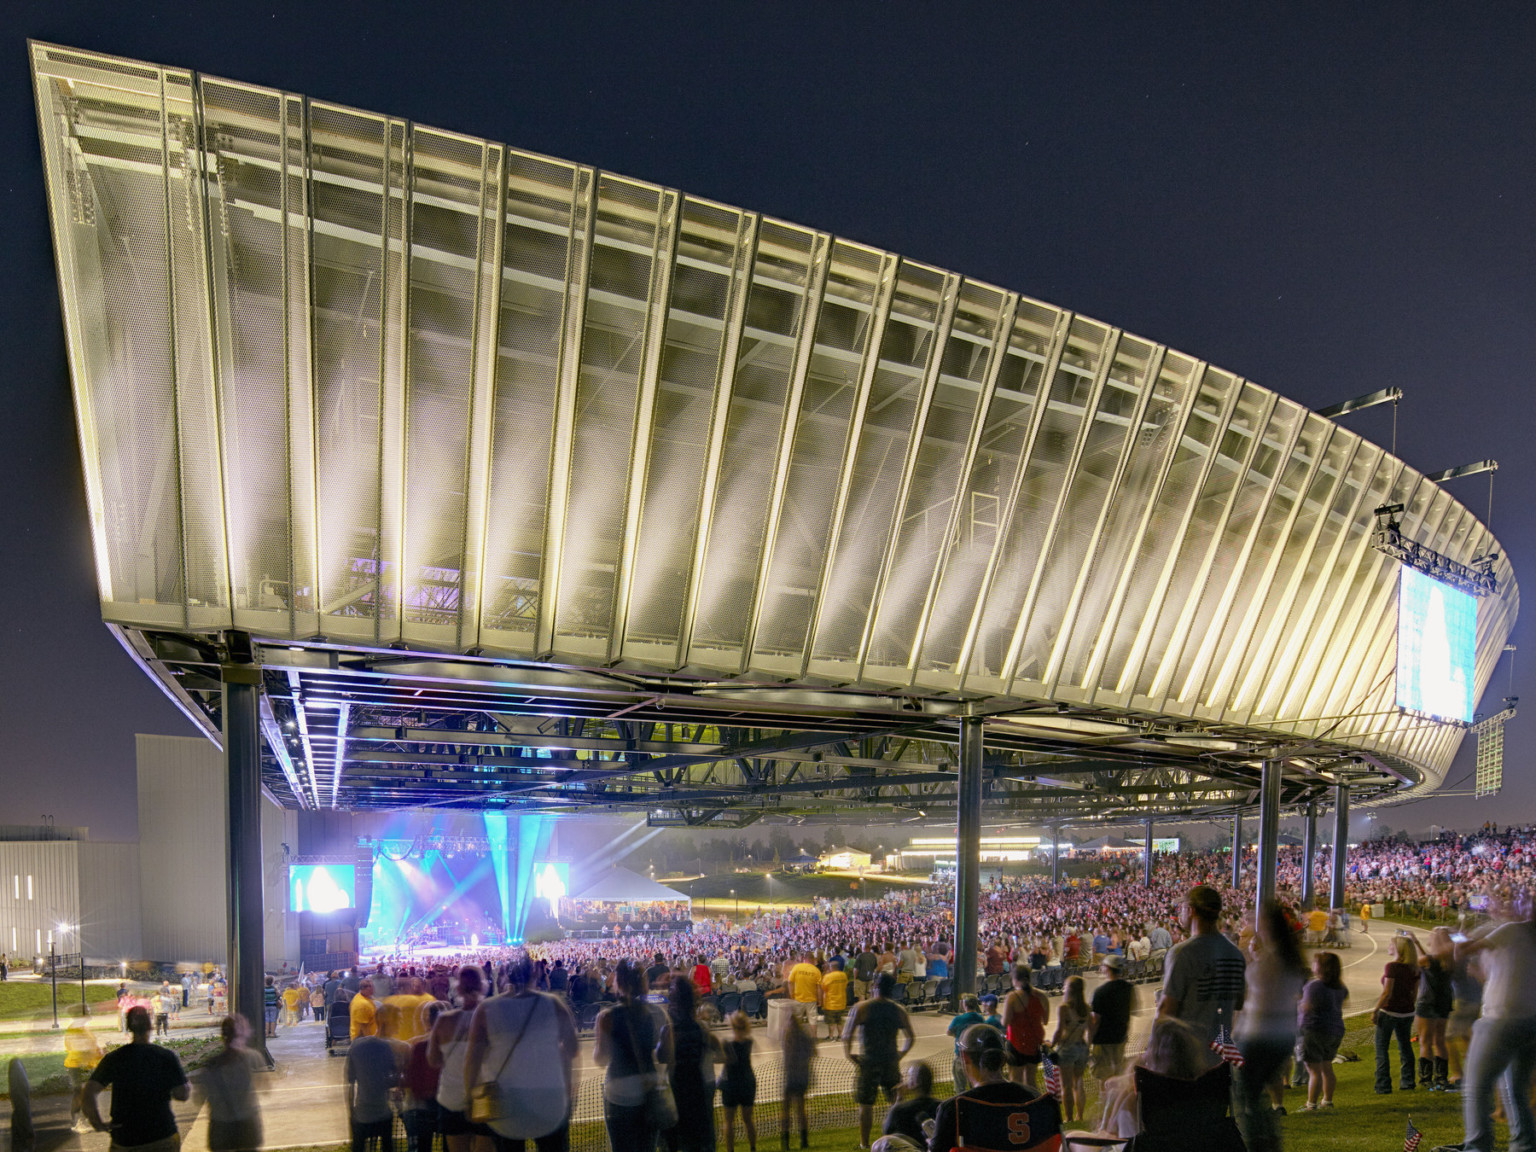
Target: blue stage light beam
point(496, 835)
point(532, 842)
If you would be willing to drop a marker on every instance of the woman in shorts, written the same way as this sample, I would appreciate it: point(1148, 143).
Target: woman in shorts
point(1024, 1015)
point(1432, 1009)
point(738, 1083)
point(1320, 1017)
point(1071, 1044)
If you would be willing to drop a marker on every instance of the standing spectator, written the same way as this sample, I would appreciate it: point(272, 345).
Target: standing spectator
point(626, 1046)
point(1320, 1017)
point(1025, 1011)
point(269, 1005)
point(916, 1104)
point(989, 1014)
point(363, 1012)
point(690, 1071)
point(1504, 1038)
point(805, 986)
point(421, 1113)
point(1266, 1032)
point(1114, 1003)
point(738, 1083)
point(864, 965)
point(1071, 1044)
point(970, 1013)
point(186, 989)
point(161, 1003)
point(834, 997)
point(880, 1023)
point(446, 1044)
point(228, 1082)
point(1203, 977)
point(1432, 1009)
point(1393, 1015)
point(1467, 1005)
point(703, 981)
point(374, 1066)
point(144, 1079)
point(799, 1048)
point(81, 1055)
point(527, 1040)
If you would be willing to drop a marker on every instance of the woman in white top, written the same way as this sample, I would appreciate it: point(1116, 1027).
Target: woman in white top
point(524, 1042)
point(445, 1051)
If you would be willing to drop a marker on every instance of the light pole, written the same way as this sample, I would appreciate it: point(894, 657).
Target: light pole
point(53, 974)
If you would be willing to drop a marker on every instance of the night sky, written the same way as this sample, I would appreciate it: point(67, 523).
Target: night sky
point(1327, 199)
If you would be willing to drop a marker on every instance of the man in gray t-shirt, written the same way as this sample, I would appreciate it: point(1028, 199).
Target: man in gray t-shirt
point(1203, 978)
point(374, 1064)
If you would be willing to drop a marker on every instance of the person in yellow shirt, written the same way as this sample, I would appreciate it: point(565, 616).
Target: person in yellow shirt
point(293, 995)
point(410, 1000)
point(834, 998)
point(805, 986)
point(1317, 925)
point(81, 1055)
point(364, 1013)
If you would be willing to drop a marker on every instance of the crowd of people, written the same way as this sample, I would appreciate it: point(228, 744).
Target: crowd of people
point(479, 1048)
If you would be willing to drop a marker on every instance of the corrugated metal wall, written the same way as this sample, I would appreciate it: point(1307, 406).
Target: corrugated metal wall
point(39, 889)
point(279, 827)
point(182, 857)
point(109, 901)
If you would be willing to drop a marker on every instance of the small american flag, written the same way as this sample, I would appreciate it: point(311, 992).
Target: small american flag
point(1229, 1051)
point(1411, 1140)
point(1052, 1076)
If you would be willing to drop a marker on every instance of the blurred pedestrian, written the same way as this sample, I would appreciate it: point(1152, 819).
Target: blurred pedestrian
point(690, 1071)
point(626, 1047)
point(81, 1055)
point(738, 1083)
point(1071, 1044)
point(229, 1084)
point(1266, 1030)
point(799, 1050)
point(1025, 1012)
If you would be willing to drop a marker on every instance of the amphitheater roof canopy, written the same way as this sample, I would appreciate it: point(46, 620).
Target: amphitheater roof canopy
point(526, 484)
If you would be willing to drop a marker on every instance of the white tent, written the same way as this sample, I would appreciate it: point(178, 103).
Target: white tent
point(621, 886)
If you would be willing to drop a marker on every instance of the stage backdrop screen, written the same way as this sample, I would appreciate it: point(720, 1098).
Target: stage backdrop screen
point(322, 887)
point(1436, 645)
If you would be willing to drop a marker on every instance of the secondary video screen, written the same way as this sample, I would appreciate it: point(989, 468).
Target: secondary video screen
point(322, 887)
point(1436, 644)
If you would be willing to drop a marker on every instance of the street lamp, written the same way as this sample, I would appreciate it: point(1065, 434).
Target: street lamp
point(53, 974)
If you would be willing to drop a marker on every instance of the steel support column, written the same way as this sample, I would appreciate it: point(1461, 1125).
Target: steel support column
point(967, 857)
point(1237, 848)
point(1146, 865)
point(1269, 832)
point(242, 767)
point(1055, 856)
point(1340, 843)
point(1309, 858)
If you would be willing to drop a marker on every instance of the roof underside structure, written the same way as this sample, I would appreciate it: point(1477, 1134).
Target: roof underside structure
point(532, 486)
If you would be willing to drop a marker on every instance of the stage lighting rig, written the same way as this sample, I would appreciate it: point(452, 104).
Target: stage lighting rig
point(1478, 579)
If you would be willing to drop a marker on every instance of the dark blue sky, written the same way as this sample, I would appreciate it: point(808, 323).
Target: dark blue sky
point(1325, 198)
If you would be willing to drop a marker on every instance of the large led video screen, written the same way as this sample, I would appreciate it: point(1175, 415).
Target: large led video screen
point(1436, 646)
point(322, 887)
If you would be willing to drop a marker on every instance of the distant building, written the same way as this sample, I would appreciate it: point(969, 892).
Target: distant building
point(846, 859)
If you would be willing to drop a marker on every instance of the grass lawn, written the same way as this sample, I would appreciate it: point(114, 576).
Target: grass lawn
point(33, 1000)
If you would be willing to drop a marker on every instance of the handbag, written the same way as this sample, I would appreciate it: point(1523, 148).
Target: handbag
point(660, 1104)
point(485, 1097)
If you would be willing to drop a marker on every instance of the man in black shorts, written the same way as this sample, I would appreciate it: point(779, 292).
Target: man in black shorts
point(886, 1036)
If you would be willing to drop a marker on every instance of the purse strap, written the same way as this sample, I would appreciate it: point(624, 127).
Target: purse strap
point(505, 1060)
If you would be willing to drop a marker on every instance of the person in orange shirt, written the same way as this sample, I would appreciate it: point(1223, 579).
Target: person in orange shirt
point(834, 998)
